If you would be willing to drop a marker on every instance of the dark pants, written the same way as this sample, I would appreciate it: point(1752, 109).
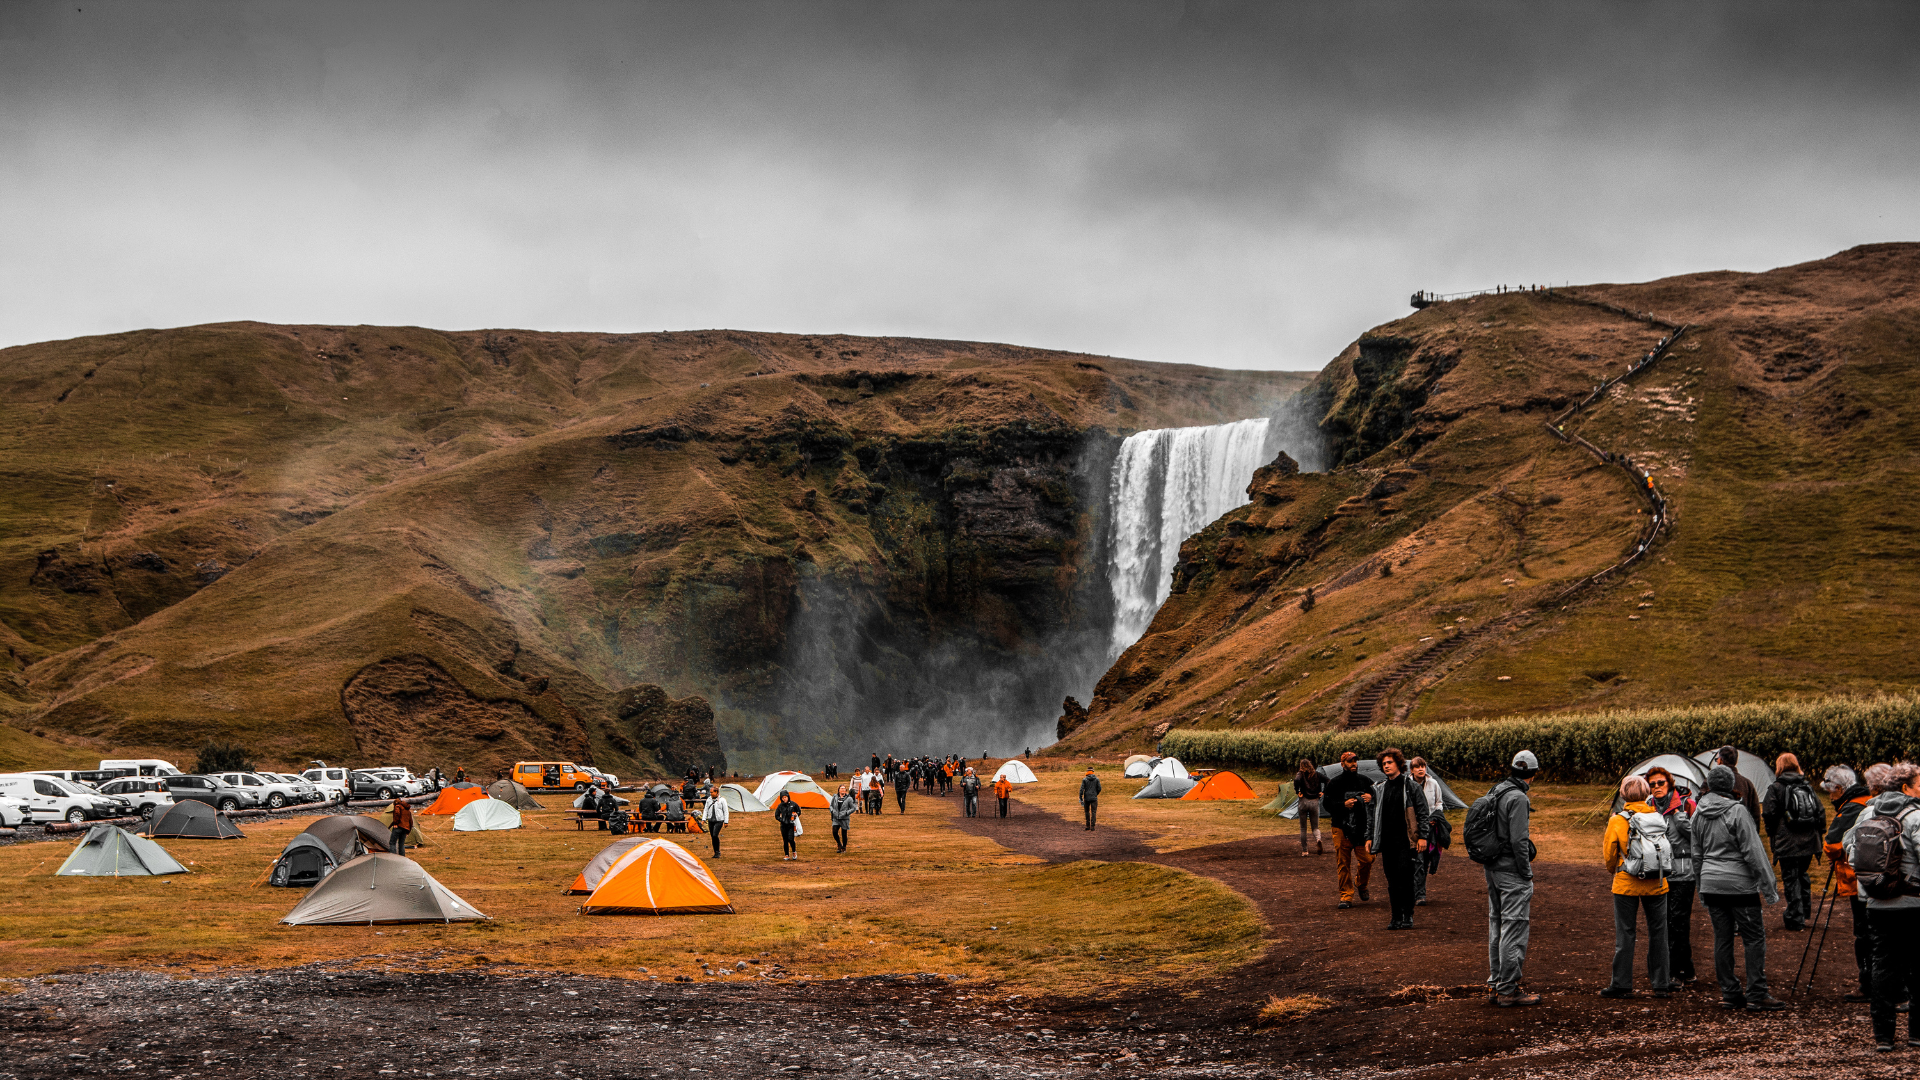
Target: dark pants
point(901, 794)
point(1797, 888)
point(397, 841)
point(1626, 917)
point(1396, 862)
point(1003, 808)
point(1092, 809)
point(787, 846)
point(1680, 930)
point(1862, 945)
point(713, 834)
point(1744, 920)
point(840, 836)
point(973, 804)
point(1896, 965)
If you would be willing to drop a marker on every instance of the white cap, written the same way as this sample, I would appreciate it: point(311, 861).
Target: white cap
point(1524, 761)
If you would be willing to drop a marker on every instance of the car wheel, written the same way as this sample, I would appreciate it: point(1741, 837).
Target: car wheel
point(580, 787)
point(76, 815)
point(386, 793)
point(229, 804)
point(275, 801)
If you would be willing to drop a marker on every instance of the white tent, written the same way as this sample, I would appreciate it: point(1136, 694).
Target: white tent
point(1139, 767)
point(1750, 766)
point(381, 888)
point(1016, 772)
point(1168, 766)
point(773, 783)
point(1165, 787)
point(485, 815)
point(742, 801)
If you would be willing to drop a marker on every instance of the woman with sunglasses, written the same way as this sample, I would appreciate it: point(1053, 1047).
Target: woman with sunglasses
point(1672, 802)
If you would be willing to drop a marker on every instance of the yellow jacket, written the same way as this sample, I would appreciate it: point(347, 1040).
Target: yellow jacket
point(1614, 850)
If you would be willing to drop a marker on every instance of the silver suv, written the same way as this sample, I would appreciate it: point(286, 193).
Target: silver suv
point(273, 792)
point(214, 792)
point(144, 792)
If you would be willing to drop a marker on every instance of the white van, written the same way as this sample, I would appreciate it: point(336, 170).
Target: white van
point(52, 799)
point(139, 767)
point(331, 781)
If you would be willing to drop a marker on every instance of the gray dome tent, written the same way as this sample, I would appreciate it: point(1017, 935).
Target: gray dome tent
point(111, 851)
point(349, 836)
point(1370, 768)
point(194, 821)
point(379, 888)
point(513, 795)
point(1165, 787)
point(1749, 766)
point(303, 863)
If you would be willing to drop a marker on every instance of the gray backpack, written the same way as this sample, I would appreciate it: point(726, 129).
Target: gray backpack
point(1649, 852)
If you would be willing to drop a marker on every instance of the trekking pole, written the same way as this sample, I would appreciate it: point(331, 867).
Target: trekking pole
point(1825, 892)
point(1821, 949)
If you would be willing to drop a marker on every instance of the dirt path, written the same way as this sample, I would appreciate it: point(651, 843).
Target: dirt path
point(1415, 1000)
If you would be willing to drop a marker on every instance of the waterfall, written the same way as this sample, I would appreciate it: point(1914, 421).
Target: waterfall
point(1169, 483)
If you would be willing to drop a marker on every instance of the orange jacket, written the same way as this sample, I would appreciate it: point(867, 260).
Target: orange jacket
point(1002, 788)
point(1837, 853)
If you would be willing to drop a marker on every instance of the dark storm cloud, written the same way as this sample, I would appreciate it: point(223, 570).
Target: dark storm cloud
point(1249, 185)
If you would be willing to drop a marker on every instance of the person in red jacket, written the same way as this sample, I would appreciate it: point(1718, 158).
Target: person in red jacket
point(401, 825)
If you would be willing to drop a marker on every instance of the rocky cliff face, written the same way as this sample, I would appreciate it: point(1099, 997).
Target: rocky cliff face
point(345, 542)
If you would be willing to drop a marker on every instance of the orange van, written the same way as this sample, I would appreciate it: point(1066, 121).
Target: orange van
point(548, 775)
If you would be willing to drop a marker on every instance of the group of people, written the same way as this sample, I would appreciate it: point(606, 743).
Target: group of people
point(1367, 820)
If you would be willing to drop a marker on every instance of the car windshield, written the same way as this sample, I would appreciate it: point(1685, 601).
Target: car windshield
point(70, 787)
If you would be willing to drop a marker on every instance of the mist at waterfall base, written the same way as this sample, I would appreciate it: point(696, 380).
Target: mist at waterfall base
point(861, 678)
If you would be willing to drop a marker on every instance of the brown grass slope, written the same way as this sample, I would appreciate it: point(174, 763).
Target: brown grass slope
point(397, 543)
point(1781, 429)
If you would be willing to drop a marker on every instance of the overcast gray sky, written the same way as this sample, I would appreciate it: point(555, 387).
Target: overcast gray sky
point(1248, 185)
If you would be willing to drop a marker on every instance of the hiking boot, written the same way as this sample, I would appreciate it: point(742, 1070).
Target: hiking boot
point(1364, 896)
point(1663, 991)
point(1508, 1001)
point(1733, 1003)
point(1883, 1048)
point(1616, 992)
point(1344, 904)
point(1766, 1004)
point(1422, 902)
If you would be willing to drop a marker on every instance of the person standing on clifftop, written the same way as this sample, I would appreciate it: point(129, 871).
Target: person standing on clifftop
point(1090, 797)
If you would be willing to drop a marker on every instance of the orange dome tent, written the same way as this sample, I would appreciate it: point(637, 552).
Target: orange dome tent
point(453, 798)
point(659, 877)
point(1221, 785)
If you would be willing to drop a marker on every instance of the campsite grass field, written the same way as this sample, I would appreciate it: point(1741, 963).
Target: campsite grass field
point(911, 895)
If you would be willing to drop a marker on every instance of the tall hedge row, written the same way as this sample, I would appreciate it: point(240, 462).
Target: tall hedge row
point(1596, 746)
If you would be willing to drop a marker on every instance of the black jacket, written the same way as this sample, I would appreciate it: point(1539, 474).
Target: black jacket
point(1351, 820)
point(785, 811)
point(1789, 843)
point(1308, 784)
point(1089, 788)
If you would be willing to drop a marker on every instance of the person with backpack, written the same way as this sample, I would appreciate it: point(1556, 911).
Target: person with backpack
point(841, 811)
point(1849, 797)
point(1884, 849)
point(399, 824)
point(1090, 797)
point(1349, 799)
point(1399, 833)
point(1795, 821)
point(1671, 802)
point(1640, 853)
point(1497, 836)
point(715, 815)
point(970, 791)
point(1308, 786)
point(1734, 876)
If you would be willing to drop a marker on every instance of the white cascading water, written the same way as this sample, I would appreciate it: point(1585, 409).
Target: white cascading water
point(1169, 483)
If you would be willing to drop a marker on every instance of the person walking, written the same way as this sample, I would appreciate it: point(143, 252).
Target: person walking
point(1090, 797)
point(900, 781)
point(715, 815)
point(1348, 798)
point(841, 811)
point(1510, 884)
point(970, 791)
point(399, 824)
point(1734, 876)
point(1683, 882)
point(1308, 786)
point(1437, 826)
point(1002, 790)
point(787, 813)
point(1398, 833)
point(1849, 797)
point(1795, 821)
point(1630, 851)
point(1893, 898)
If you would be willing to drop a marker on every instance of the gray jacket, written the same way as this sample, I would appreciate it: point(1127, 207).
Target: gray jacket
point(1516, 815)
point(841, 810)
point(1726, 848)
point(1892, 802)
point(1411, 797)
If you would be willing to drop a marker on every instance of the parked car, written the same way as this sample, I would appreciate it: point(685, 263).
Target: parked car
point(304, 790)
point(91, 778)
point(549, 775)
point(53, 799)
point(214, 792)
point(415, 785)
point(14, 812)
point(139, 767)
point(381, 784)
point(612, 780)
point(144, 792)
point(331, 781)
point(274, 792)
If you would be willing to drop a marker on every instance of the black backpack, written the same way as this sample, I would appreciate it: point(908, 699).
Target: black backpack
point(1880, 858)
point(1483, 829)
point(1802, 807)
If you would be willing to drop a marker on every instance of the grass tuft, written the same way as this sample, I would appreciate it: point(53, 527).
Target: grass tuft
point(1281, 1010)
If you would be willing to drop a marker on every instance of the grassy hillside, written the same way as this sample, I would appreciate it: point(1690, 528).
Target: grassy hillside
point(397, 543)
point(1780, 430)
